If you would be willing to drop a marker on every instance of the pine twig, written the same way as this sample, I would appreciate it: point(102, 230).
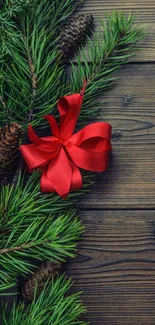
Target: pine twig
point(2, 102)
point(34, 86)
point(16, 248)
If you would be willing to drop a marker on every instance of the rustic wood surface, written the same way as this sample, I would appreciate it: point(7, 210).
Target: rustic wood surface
point(130, 108)
point(115, 267)
point(145, 16)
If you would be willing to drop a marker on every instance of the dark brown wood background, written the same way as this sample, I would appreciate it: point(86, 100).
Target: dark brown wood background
point(116, 263)
point(115, 267)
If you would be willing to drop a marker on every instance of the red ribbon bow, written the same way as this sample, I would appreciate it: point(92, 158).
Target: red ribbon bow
point(61, 154)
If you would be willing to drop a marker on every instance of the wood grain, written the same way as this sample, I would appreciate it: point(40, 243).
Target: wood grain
point(130, 108)
point(145, 16)
point(115, 267)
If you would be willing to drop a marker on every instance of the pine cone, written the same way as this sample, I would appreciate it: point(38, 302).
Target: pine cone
point(74, 34)
point(46, 271)
point(10, 137)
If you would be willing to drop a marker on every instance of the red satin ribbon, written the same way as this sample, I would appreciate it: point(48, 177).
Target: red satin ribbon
point(61, 154)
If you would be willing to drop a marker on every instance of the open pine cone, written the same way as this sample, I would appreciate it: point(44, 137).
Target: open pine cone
point(74, 34)
point(46, 271)
point(10, 138)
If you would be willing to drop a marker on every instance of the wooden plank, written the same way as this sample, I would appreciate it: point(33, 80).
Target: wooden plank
point(145, 11)
point(115, 267)
point(130, 108)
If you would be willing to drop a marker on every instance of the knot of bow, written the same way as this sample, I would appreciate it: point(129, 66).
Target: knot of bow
point(61, 154)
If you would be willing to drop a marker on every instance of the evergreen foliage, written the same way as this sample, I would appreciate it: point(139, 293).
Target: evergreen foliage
point(30, 228)
point(105, 53)
point(30, 70)
point(32, 77)
point(34, 225)
point(52, 307)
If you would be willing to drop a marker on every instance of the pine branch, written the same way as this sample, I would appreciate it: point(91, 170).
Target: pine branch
point(34, 84)
point(16, 248)
point(8, 31)
point(31, 226)
point(30, 70)
point(41, 238)
point(119, 40)
point(53, 306)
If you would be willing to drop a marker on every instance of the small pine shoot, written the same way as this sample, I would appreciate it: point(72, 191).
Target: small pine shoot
point(106, 53)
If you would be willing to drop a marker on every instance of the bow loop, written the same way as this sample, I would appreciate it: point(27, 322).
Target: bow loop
point(93, 133)
point(61, 155)
point(33, 136)
point(53, 125)
point(69, 109)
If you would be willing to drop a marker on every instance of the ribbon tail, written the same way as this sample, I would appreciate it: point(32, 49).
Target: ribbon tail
point(53, 125)
point(57, 177)
point(45, 184)
point(76, 182)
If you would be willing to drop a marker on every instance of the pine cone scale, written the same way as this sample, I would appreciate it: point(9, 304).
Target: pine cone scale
point(10, 138)
point(46, 271)
point(74, 34)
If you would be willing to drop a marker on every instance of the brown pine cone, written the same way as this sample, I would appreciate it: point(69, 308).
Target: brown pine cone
point(10, 138)
point(46, 271)
point(74, 34)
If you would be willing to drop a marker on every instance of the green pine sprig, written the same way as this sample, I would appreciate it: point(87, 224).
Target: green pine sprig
point(30, 70)
point(105, 54)
point(31, 228)
point(53, 307)
point(42, 239)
